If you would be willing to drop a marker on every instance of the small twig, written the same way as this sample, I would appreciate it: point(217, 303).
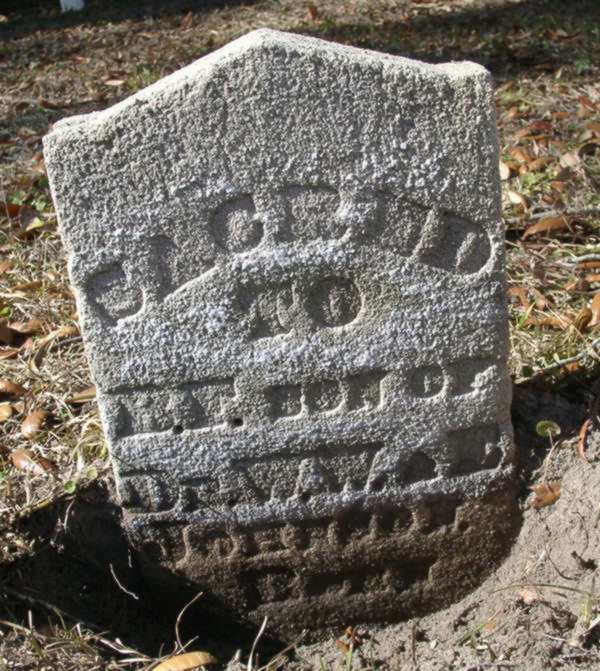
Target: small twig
point(582, 212)
point(121, 586)
point(180, 616)
point(585, 257)
point(572, 359)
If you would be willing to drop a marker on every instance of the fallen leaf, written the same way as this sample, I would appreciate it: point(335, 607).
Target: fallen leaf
point(9, 352)
point(32, 424)
point(186, 662)
point(540, 300)
point(27, 286)
point(186, 21)
point(516, 198)
point(114, 82)
point(588, 264)
point(4, 266)
point(594, 127)
point(546, 225)
point(25, 461)
point(595, 310)
point(570, 160)
point(582, 319)
point(528, 596)
point(589, 147)
point(504, 171)
point(12, 209)
point(6, 334)
point(313, 11)
point(592, 278)
point(521, 294)
point(6, 411)
point(31, 327)
point(520, 154)
point(538, 164)
point(11, 388)
point(583, 431)
point(545, 494)
point(584, 101)
point(551, 321)
point(83, 396)
point(581, 284)
point(344, 648)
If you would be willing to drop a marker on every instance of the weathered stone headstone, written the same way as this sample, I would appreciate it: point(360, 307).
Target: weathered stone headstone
point(288, 259)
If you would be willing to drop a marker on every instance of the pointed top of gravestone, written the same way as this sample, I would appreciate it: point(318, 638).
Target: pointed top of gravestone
point(295, 46)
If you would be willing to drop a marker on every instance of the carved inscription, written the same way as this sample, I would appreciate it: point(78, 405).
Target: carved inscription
point(353, 393)
point(328, 469)
point(193, 405)
point(214, 404)
point(277, 308)
point(147, 272)
point(280, 540)
point(235, 225)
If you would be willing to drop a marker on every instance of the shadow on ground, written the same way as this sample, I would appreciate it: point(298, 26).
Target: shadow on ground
point(83, 570)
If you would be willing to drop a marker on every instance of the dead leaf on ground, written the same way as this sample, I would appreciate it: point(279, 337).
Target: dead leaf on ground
point(595, 310)
point(9, 352)
point(582, 319)
point(550, 321)
point(5, 265)
point(504, 171)
point(6, 411)
point(27, 286)
point(186, 662)
point(589, 147)
point(545, 494)
point(186, 21)
point(593, 127)
point(344, 648)
point(541, 302)
point(6, 334)
point(11, 388)
point(517, 198)
point(521, 294)
point(520, 154)
point(546, 225)
point(83, 396)
point(25, 461)
point(538, 164)
point(33, 423)
point(31, 327)
point(313, 11)
point(580, 284)
point(528, 596)
point(583, 431)
point(114, 82)
point(570, 160)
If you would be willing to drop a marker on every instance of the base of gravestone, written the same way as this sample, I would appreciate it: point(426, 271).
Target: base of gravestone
point(447, 550)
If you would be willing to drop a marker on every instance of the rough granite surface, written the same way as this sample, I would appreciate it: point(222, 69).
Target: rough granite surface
point(289, 267)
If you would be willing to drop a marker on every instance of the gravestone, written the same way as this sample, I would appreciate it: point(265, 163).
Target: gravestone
point(288, 260)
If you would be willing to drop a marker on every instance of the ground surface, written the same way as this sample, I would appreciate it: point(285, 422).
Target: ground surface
point(66, 584)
